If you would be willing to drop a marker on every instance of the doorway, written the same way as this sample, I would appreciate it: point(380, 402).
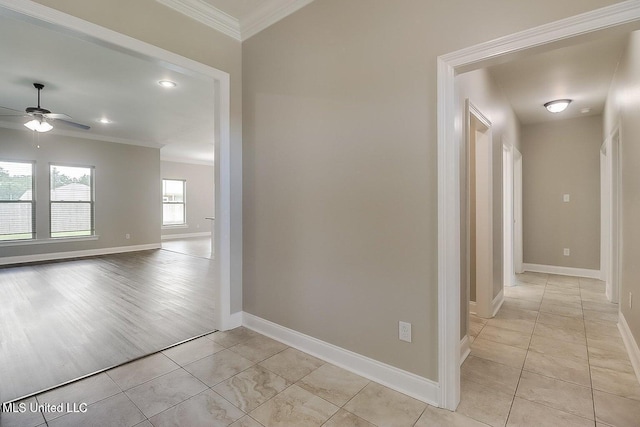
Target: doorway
point(610, 155)
point(507, 215)
point(221, 93)
point(449, 188)
point(480, 212)
point(512, 213)
point(518, 253)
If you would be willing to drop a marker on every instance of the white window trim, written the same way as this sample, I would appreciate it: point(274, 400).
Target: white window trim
point(91, 203)
point(32, 201)
point(183, 203)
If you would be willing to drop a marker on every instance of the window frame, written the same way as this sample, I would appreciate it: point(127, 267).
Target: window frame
point(32, 201)
point(92, 231)
point(183, 203)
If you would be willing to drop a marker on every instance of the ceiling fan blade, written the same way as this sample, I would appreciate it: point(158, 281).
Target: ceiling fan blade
point(14, 115)
point(11, 109)
point(74, 124)
point(57, 116)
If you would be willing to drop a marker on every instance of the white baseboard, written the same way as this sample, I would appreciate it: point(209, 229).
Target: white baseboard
point(565, 271)
point(185, 236)
point(497, 302)
point(472, 307)
point(465, 348)
point(630, 343)
point(235, 321)
point(397, 379)
point(75, 254)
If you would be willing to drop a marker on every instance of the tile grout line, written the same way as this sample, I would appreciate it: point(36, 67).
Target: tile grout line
point(586, 340)
point(580, 290)
point(124, 391)
point(206, 385)
point(525, 357)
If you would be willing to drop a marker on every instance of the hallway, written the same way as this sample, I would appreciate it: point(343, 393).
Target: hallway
point(552, 356)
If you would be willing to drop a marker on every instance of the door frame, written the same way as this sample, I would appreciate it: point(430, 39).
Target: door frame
point(449, 188)
point(518, 231)
point(30, 11)
point(483, 213)
point(610, 201)
point(508, 217)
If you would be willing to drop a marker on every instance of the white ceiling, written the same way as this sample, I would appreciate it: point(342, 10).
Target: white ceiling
point(88, 82)
point(581, 72)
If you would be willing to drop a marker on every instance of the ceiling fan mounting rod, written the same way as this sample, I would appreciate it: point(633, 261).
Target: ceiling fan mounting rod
point(38, 86)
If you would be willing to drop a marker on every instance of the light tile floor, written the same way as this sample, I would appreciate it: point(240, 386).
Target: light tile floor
point(551, 357)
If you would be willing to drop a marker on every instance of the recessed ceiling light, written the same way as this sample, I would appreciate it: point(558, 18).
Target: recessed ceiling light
point(585, 110)
point(557, 106)
point(167, 83)
point(105, 121)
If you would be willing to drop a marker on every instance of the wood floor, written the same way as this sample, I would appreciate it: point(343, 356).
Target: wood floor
point(195, 246)
point(63, 320)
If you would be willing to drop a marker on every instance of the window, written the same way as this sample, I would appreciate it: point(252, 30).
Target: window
point(71, 201)
point(17, 186)
point(173, 207)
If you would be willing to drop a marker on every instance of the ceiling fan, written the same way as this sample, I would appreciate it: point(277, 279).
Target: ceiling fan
point(42, 116)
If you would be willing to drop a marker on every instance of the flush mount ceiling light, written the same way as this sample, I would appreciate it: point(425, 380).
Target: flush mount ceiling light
point(167, 83)
point(557, 106)
point(39, 125)
point(105, 121)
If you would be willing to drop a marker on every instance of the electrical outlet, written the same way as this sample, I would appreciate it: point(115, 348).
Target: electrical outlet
point(566, 198)
point(567, 251)
point(404, 331)
point(127, 236)
point(630, 300)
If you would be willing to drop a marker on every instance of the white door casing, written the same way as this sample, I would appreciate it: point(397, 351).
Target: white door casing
point(479, 139)
point(611, 238)
point(518, 241)
point(507, 215)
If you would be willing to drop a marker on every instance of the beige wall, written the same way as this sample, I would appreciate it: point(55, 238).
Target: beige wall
point(482, 91)
point(623, 109)
point(340, 195)
point(562, 157)
point(151, 22)
point(127, 189)
point(199, 192)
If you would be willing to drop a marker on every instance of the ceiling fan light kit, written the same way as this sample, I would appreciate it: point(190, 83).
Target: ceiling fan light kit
point(38, 125)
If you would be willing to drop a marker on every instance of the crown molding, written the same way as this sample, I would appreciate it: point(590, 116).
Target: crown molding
point(207, 15)
point(266, 15)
